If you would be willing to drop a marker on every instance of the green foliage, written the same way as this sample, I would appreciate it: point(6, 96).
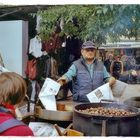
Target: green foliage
point(96, 22)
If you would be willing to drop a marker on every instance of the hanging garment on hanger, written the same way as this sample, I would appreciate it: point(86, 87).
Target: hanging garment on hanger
point(31, 69)
point(41, 66)
point(54, 68)
point(52, 44)
point(35, 46)
point(48, 67)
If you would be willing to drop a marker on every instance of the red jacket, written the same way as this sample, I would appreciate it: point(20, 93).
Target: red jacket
point(14, 131)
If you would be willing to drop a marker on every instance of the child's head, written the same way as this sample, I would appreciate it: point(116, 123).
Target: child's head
point(12, 88)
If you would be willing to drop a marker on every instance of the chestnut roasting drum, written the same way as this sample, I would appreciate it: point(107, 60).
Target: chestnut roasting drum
point(106, 119)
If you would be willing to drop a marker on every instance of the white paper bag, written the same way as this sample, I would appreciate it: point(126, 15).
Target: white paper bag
point(49, 102)
point(103, 92)
point(50, 87)
point(47, 94)
point(44, 129)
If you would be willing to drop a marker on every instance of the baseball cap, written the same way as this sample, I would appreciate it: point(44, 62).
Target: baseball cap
point(88, 44)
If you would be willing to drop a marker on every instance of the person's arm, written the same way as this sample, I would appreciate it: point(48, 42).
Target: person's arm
point(112, 81)
point(68, 76)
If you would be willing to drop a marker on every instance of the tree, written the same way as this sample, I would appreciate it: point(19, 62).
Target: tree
point(96, 22)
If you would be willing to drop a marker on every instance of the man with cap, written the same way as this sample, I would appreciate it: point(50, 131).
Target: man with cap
point(86, 73)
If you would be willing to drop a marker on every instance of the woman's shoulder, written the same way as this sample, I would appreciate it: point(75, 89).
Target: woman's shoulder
point(20, 130)
point(26, 131)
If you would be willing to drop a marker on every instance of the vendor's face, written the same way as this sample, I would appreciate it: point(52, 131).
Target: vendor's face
point(88, 53)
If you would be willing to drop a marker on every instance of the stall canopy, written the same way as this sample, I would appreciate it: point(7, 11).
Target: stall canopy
point(119, 45)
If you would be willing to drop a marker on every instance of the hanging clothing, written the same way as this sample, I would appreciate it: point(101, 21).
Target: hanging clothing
point(35, 46)
point(48, 67)
point(54, 68)
point(41, 66)
point(51, 68)
point(52, 44)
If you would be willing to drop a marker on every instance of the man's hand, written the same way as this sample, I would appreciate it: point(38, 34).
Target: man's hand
point(112, 81)
point(62, 80)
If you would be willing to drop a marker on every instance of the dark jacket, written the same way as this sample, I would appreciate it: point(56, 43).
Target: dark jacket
point(83, 83)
